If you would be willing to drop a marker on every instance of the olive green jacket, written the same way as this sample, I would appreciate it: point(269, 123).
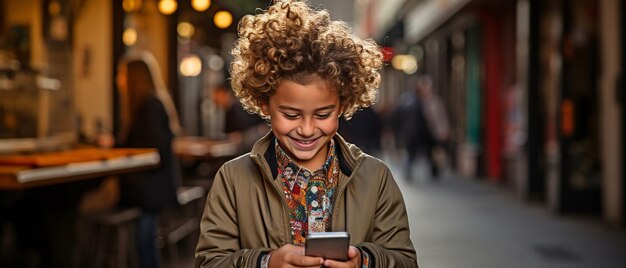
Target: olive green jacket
point(246, 216)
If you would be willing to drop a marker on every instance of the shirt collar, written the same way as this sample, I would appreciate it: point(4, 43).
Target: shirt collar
point(284, 160)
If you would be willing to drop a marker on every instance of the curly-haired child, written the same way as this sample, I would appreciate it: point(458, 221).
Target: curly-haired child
point(301, 71)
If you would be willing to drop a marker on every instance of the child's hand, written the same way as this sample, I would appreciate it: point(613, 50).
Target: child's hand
point(354, 260)
point(293, 256)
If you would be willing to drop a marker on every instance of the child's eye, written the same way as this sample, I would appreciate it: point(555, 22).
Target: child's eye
point(322, 116)
point(291, 116)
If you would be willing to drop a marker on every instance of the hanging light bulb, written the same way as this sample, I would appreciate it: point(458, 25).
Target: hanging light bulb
point(190, 65)
point(167, 7)
point(186, 29)
point(200, 5)
point(129, 37)
point(223, 19)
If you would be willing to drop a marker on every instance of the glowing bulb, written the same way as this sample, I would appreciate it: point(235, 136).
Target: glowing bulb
point(397, 61)
point(200, 5)
point(223, 19)
point(190, 65)
point(185, 29)
point(168, 7)
point(129, 36)
point(409, 65)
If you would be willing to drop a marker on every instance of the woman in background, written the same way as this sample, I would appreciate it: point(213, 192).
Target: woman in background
point(147, 120)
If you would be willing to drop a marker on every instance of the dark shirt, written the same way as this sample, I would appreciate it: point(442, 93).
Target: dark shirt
point(410, 123)
point(154, 188)
point(237, 119)
point(363, 130)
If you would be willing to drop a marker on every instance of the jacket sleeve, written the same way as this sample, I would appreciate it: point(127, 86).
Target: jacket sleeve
point(219, 244)
point(391, 244)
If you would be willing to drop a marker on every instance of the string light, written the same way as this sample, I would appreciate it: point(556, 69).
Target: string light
point(223, 19)
point(129, 37)
point(167, 7)
point(190, 65)
point(185, 29)
point(200, 5)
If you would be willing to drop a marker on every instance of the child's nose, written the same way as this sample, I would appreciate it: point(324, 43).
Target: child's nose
point(306, 128)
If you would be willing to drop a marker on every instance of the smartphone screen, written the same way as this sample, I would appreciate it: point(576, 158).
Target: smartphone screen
point(328, 245)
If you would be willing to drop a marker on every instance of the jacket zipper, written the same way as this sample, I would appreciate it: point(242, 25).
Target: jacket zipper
point(261, 163)
point(341, 192)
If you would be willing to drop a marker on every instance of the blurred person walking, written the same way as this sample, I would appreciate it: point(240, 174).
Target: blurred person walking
point(364, 130)
point(436, 122)
point(147, 120)
point(411, 129)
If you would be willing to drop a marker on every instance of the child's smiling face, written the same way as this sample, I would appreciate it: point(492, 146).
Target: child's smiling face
point(304, 117)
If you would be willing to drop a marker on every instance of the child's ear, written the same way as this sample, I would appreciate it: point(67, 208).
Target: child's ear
point(265, 110)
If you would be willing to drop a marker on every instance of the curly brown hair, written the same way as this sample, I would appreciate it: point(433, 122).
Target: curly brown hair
point(293, 41)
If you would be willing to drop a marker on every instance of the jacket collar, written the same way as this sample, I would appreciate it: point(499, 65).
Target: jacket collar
point(347, 154)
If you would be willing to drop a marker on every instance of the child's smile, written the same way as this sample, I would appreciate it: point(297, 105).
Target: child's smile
point(304, 119)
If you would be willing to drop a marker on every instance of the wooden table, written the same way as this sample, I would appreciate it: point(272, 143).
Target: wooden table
point(201, 157)
point(201, 148)
point(19, 172)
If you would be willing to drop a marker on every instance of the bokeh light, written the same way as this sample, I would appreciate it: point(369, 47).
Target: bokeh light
point(223, 19)
point(190, 65)
point(200, 5)
point(167, 7)
point(186, 29)
point(129, 37)
point(131, 5)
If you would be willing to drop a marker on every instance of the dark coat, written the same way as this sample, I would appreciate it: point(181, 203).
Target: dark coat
point(410, 124)
point(363, 130)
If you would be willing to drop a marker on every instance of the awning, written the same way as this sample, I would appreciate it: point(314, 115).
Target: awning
point(375, 17)
point(428, 16)
point(386, 15)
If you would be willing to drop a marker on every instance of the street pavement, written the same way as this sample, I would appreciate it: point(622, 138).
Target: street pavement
point(460, 222)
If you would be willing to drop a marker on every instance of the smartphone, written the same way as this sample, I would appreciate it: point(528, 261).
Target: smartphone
point(328, 245)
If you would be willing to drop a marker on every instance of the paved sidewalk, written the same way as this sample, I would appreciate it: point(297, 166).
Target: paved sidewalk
point(457, 222)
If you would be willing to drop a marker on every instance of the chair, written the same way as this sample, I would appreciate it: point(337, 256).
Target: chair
point(178, 223)
point(113, 241)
